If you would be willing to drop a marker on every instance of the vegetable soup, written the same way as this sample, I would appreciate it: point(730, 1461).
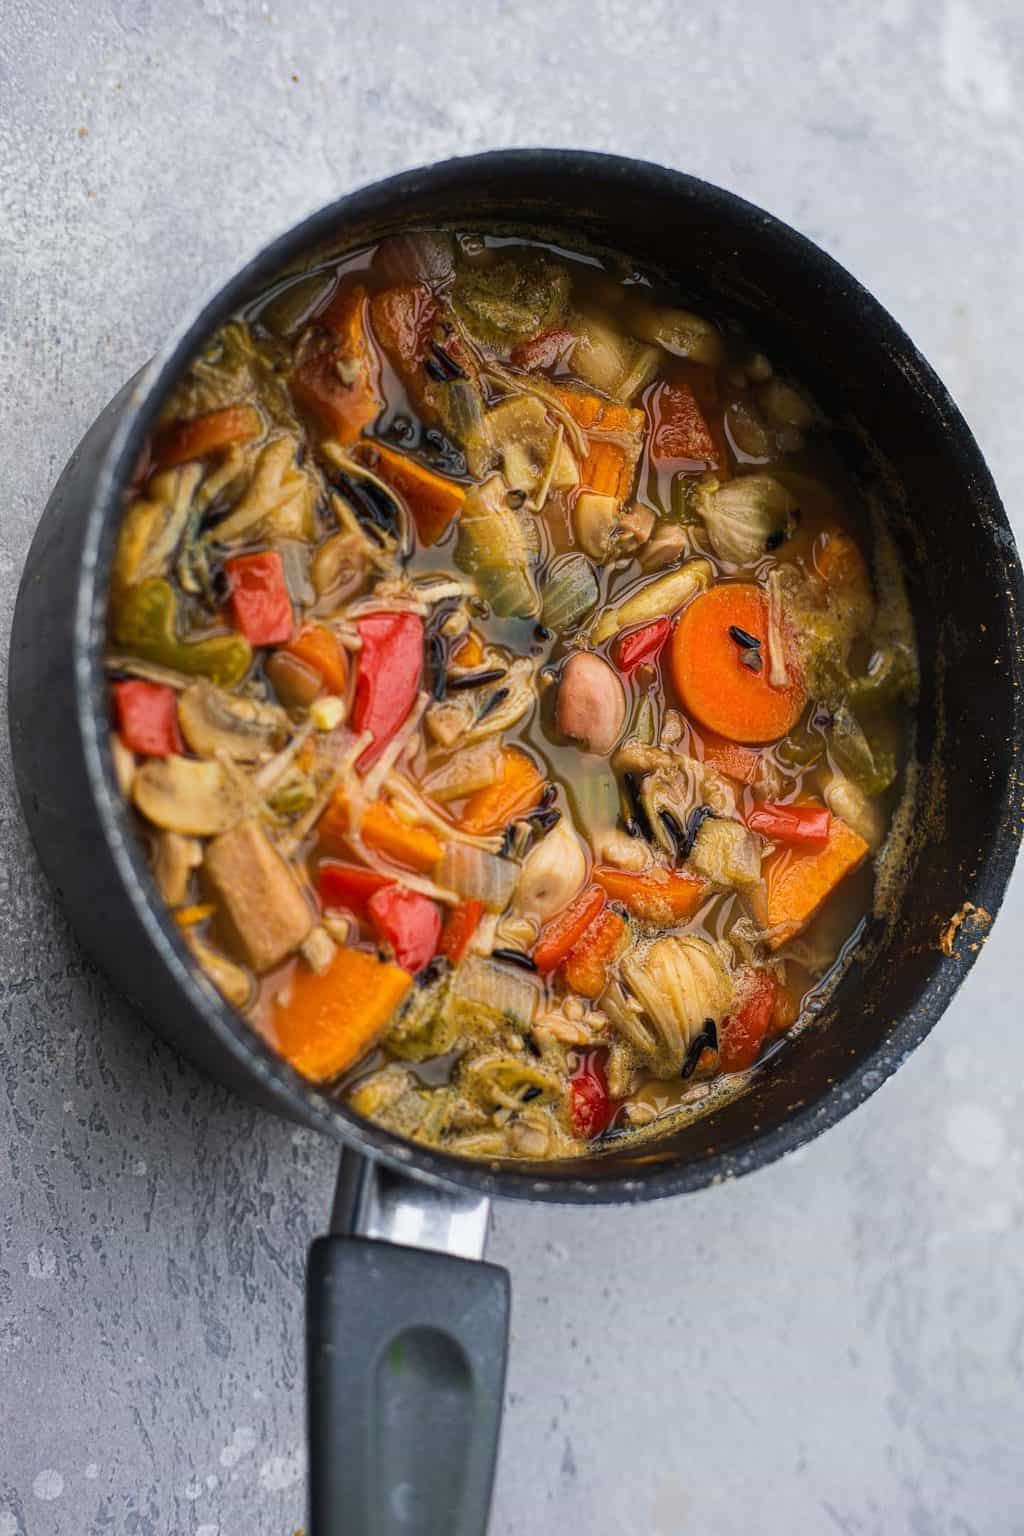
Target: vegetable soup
point(513, 689)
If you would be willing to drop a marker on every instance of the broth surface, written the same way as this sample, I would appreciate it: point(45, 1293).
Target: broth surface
point(512, 691)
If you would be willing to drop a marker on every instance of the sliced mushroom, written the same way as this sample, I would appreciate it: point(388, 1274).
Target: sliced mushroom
point(258, 894)
point(233, 982)
point(213, 720)
point(173, 858)
point(339, 569)
point(280, 495)
point(200, 799)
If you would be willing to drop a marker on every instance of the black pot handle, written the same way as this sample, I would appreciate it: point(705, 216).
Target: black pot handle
point(407, 1339)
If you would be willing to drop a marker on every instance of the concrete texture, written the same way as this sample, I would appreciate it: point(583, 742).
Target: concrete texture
point(835, 1344)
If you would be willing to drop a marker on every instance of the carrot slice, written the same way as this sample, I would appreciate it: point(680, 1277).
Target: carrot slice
point(586, 967)
point(567, 928)
point(331, 1019)
point(320, 649)
point(610, 464)
point(415, 848)
point(183, 441)
point(796, 884)
point(740, 763)
point(517, 790)
point(432, 499)
point(661, 896)
point(334, 379)
point(714, 684)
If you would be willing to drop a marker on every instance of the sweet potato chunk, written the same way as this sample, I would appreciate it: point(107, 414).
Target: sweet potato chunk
point(330, 1018)
point(610, 465)
point(257, 895)
point(797, 884)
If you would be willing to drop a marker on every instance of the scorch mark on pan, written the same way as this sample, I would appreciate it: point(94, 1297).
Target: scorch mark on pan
point(977, 919)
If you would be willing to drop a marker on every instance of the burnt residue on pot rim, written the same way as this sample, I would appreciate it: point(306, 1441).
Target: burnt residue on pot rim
point(656, 1169)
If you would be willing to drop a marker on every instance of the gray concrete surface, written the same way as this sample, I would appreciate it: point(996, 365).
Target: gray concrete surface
point(837, 1343)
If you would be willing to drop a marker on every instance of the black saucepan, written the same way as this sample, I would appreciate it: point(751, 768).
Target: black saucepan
point(406, 1336)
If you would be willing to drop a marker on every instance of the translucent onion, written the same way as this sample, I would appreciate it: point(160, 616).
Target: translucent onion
point(478, 875)
point(500, 990)
point(570, 591)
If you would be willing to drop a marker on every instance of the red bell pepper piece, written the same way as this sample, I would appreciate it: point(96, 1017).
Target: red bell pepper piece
point(459, 927)
point(642, 644)
point(799, 826)
point(592, 1107)
point(742, 1033)
point(388, 677)
point(348, 885)
point(409, 922)
point(258, 597)
point(147, 718)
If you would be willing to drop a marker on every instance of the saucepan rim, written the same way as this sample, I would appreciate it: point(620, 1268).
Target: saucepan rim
point(295, 1096)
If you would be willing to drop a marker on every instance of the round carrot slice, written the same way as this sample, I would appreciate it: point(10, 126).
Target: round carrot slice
point(725, 693)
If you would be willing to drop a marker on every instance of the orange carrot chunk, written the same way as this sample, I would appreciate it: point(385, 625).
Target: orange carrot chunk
point(588, 964)
point(660, 896)
point(518, 790)
point(611, 461)
point(710, 656)
point(740, 763)
point(797, 884)
point(334, 379)
point(329, 1020)
point(432, 499)
point(321, 650)
point(567, 928)
point(183, 441)
point(415, 848)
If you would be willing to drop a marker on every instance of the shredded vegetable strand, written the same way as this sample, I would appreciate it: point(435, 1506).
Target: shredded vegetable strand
point(394, 749)
point(403, 791)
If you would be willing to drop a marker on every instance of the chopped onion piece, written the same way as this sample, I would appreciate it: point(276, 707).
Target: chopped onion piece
point(478, 875)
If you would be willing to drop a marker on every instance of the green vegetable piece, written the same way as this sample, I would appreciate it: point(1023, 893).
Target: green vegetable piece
point(890, 675)
point(570, 591)
point(872, 769)
point(292, 797)
point(516, 297)
point(425, 1026)
point(497, 545)
point(291, 307)
point(145, 625)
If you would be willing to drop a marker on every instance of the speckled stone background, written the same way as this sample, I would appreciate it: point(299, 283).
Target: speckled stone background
point(835, 1344)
